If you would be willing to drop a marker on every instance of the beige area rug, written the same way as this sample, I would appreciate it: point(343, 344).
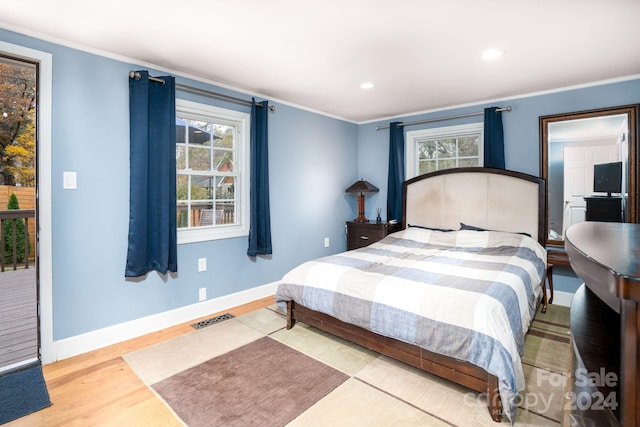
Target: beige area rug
point(347, 385)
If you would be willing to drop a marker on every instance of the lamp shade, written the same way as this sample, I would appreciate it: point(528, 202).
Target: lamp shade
point(362, 186)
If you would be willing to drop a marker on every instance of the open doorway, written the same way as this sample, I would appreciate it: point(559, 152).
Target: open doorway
point(19, 321)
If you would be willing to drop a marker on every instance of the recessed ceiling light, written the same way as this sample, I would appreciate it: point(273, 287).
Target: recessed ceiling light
point(491, 54)
point(366, 85)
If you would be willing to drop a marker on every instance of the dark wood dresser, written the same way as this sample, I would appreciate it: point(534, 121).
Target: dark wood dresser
point(605, 324)
point(361, 234)
point(604, 209)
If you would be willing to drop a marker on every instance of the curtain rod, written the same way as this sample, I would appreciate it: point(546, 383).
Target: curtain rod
point(457, 116)
point(197, 91)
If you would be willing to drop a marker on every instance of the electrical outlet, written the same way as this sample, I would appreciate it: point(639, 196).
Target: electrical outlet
point(326, 242)
point(202, 265)
point(202, 294)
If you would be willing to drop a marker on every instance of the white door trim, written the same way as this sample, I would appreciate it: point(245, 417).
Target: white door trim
point(45, 75)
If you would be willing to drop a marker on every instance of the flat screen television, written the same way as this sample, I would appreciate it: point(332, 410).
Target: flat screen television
point(607, 178)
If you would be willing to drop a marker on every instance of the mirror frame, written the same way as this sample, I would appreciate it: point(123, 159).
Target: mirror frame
point(634, 160)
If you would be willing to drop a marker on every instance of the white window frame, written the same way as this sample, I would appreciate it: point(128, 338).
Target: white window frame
point(204, 112)
point(414, 137)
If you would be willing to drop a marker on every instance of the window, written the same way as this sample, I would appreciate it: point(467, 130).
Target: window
point(212, 167)
point(429, 150)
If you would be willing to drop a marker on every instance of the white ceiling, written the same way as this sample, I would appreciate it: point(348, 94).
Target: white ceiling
point(420, 54)
point(594, 128)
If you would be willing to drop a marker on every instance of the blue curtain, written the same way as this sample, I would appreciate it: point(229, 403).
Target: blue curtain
point(152, 214)
point(396, 172)
point(260, 217)
point(493, 139)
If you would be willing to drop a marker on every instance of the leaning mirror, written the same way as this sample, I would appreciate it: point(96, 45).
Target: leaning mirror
point(589, 160)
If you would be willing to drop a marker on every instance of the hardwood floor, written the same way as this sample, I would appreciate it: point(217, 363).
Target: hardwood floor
point(99, 388)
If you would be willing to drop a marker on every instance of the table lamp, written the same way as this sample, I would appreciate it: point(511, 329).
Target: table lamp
point(361, 187)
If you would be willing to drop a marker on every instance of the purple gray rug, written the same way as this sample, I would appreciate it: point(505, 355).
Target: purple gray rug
point(264, 383)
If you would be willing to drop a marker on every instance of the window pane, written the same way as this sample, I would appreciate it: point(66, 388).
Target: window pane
point(182, 215)
point(182, 187)
point(223, 160)
point(446, 148)
point(181, 131)
point(192, 132)
point(202, 214)
point(468, 146)
point(225, 213)
point(201, 187)
point(181, 157)
point(468, 162)
point(224, 136)
point(199, 159)
point(427, 150)
point(446, 164)
point(426, 167)
point(225, 187)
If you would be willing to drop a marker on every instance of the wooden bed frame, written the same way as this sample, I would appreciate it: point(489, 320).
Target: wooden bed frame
point(441, 200)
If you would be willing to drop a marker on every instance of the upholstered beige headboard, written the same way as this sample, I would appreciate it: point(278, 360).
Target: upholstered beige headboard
point(494, 199)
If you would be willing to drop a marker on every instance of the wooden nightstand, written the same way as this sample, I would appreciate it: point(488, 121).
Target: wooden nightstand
point(361, 234)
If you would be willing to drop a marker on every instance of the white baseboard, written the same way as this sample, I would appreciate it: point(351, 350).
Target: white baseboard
point(73, 346)
point(99, 338)
point(562, 298)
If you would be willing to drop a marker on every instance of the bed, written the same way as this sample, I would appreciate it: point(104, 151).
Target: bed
point(453, 292)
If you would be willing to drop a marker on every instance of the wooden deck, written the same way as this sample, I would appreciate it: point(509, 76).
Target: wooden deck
point(18, 317)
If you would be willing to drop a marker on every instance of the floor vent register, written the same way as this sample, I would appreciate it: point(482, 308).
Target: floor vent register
point(212, 321)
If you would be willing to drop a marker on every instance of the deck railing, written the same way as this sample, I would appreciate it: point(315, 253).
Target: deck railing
point(15, 214)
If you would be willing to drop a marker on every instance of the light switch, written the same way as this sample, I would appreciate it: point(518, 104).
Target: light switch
point(69, 180)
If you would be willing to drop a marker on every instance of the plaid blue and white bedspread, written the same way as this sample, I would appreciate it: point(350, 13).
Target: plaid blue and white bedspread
point(465, 294)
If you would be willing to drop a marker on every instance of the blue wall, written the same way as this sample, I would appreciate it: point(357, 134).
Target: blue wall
point(521, 133)
point(313, 158)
